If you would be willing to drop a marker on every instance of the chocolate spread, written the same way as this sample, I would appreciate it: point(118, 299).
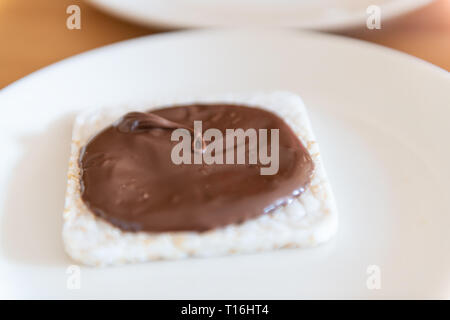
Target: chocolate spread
point(129, 178)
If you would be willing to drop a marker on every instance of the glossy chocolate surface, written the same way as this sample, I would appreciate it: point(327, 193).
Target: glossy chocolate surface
point(129, 179)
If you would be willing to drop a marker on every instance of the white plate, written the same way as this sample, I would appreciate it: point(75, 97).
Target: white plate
point(380, 116)
point(317, 14)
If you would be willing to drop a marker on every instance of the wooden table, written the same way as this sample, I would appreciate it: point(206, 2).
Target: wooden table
point(33, 34)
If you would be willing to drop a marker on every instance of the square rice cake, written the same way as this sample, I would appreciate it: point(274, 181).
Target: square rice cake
point(307, 221)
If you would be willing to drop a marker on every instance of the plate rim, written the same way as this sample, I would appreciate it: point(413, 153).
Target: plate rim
point(221, 31)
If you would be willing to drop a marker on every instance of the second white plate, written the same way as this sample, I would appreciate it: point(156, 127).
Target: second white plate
point(316, 14)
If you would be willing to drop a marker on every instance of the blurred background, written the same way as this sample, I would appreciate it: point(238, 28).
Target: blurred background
point(34, 34)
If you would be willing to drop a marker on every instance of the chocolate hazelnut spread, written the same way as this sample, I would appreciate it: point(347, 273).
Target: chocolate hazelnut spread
point(129, 178)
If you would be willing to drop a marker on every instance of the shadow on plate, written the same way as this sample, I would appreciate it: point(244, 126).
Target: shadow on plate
point(32, 222)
